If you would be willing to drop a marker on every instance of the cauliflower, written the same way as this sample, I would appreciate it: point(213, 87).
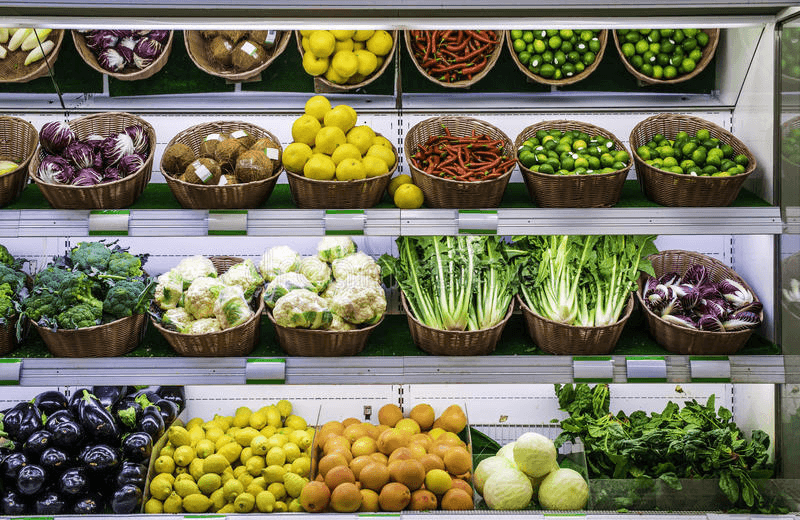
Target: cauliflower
point(359, 303)
point(177, 319)
point(331, 248)
point(278, 260)
point(245, 275)
point(195, 267)
point(203, 326)
point(358, 264)
point(330, 291)
point(317, 272)
point(231, 307)
point(337, 323)
point(302, 309)
point(283, 284)
point(169, 290)
point(201, 295)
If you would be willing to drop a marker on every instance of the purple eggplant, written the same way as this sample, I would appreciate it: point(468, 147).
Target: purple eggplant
point(128, 413)
point(137, 447)
point(169, 411)
point(58, 417)
point(73, 482)
point(99, 458)
point(152, 422)
point(21, 421)
point(39, 441)
point(49, 504)
point(12, 464)
point(126, 499)
point(96, 420)
point(13, 502)
point(31, 479)
point(50, 401)
point(54, 460)
point(176, 394)
point(75, 400)
point(132, 473)
point(90, 504)
point(109, 395)
point(67, 434)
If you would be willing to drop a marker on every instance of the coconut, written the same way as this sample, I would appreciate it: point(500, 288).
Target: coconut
point(176, 158)
point(209, 144)
point(209, 35)
point(244, 137)
point(227, 152)
point(269, 147)
point(234, 36)
point(253, 165)
point(265, 38)
point(247, 55)
point(228, 179)
point(221, 50)
point(203, 171)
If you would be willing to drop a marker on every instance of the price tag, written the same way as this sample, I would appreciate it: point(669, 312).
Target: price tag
point(265, 371)
point(9, 371)
point(710, 369)
point(345, 221)
point(592, 369)
point(646, 369)
point(227, 222)
point(477, 221)
point(107, 222)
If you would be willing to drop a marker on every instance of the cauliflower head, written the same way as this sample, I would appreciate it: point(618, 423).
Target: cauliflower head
point(337, 323)
point(302, 309)
point(177, 319)
point(201, 296)
point(231, 307)
point(244, 275)
point(331, 248)
point(204, 326)
point(359, 303)
point(279, 260)
point(169, 290)
point(195, 267)
point(317, 272)
point(357, 264)
point(283, 284)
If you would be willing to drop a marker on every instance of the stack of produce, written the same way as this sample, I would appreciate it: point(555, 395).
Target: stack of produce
point(95, 283)
point(251, 461)
point(556, 54)
point(12, 287)
point(345, 57)
point(235, 158)
point(663, 54)
point(337, 289)
point(526, 469)
point(701, 155)
point(95, 160)
point(415, 463)
point(469, 158)
point(195, 299)
point(34, 42)
point(240, 51)
point(84, 455)
point(328, 146)
point(571, 153)
point(453, 56)
point(119, 49)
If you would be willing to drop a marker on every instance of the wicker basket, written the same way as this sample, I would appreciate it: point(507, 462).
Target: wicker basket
point(466, 83)
point(110, 195)
point(601, 190)
point(322, 343)
point(315, 194)
point(129, 73)
point(682, 340)
point(236, 341)
point(8, 337)
point(336, 87)
point(439, 342)
point(197, 47)
point(603, 37)
point(708, 53)
point(231, 196)
point(13, 69)
point(111, 339)
point(569, 340)
point(676, 189)
point(446, 193)
point(18, 142)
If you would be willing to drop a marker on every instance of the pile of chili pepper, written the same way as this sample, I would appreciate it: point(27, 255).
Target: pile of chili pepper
point(450, 56)
point(471, 158)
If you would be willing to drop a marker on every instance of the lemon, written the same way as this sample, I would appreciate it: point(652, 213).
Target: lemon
point(178, 436)
point(173, 503)
point(268, 431)
point(232, 489)
point(196, 468)
point(304, 130)
point(273, 473)
point(374, 166)
point(245, 478)
point(321, 43)
point(164, 464)
point(230, 451)
point(245, 436)
point(259, 445)
point(305, 44)
point(341, 116)
point(294, 484)
point(362, 36)
point(254, 465)
point(245, 454)
point(350, 170)
point(316, 106)
point(215, 432)
point(277, 489)
point(217, 500)
point(160, 488)
point(295, 422)
point(384, 153)
point(183, 455)
point(345, 63)
point(357, 46)
point(367, 62)
point(380, 59)
point(265, 502)
point(301, 465)
point(242, 416)
point(344, 45)
point(334, 77)
point(274, 416)
point(209, 483)
point(184, 476)
point(186, 487)
point(295, 506)
point(314, 65)
point(301, 437)
point(216, 463)
point(343, 35)
point(222, 441)
point(254, 489)
point(345, 151)
point(380, 43)
point(168, 450)
point(284, 406)
point(196, 434)
point(244, 503)
point(306, 32)
point(362, 137)
point(292, 451)
point(321, 168)
point(328, 138)
point(196, 421)
point(153, 507)
point(258, 420)
point(379, 139)
point(279, 439)
point(408, 196)
point(204, 448)
point(276, 456)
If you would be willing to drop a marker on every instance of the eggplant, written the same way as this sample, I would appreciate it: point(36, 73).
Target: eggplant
point(50, 503)
point(75, 400)
point(126, 499)
point(21, 421)
point(50, 402)
point(58, 417)
point(54, 460)
point(128, 413)
point(169, 411)
point(100, 457)
point(132, 473)
point(30, 479)
point(88, 505)
point(12, 464)
point(73, 482)
point(176, 394)
point(109, 395)
point(97, 422)
point(38, 442)
point(13, 503)
point(149, 393)
point(152, 422)
point(137, 447)
point(67, 435)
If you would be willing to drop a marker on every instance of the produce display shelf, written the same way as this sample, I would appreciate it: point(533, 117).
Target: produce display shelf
point(444, 515)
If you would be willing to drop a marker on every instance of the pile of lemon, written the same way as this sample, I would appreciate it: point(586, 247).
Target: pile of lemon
point(345, 56)
point(327, 145)
point(252, 461)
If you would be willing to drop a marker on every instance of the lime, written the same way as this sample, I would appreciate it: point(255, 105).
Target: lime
point(547, 71)
point(516, 34)
point(670, 72)
point(628, 49)
point(703, 134)
point(565, 34)
point(688, 65)
point(525, 57)
point(644, 152)
point(642, 47)
point(539, 46)
point(658, 71)
point(702, 39)
point(554, 42)
point(741, 159)
point(519, 45)
point(527, 36)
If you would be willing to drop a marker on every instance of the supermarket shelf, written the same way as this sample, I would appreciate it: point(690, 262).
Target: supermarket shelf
point(446, 515)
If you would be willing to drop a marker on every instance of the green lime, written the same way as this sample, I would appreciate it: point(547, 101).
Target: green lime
point(666, 33)
point(547, 71)
point(670, 72)
point(539, 46)
point(559, 58)
point(702, 39)
point(546, 168)
point(586, 35)
point(637, 62)
point(658, 71)
point(655, 48)
point(589, 58)
point(524, 57)
point(594, 162)
point(536, 60)
point(687, 164)
point(516, 34)
point(689, 44)
point(565, 34)
point(727, 150)
point(566, 47)
point(669, 162)
point(568, 69)
point(741, 159)
point(641, 47)
point(653, 36)
point(519, 45)
point(547, 56)
point(594, 45)
point(667, 47)
point(527, 158)
point(696, 55)
point(554, 42)
point(691, 33)
point(628, 49)
point(573, 57)
point(688, 65)
point(678, 36)
point(644, 152)
point(647, 69)
point(703, 134)
point(622, 156)
point(579, 67)
point(527, 36)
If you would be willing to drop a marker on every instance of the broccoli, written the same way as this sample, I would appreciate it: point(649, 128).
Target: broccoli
point(76, 289)
point(91, 255)
point(42, 302)
point(125, 299)
point(122, 263)
point(15, 279)
point(7, 308)
point(5, 256)
point(77, 317)
point(50, 278)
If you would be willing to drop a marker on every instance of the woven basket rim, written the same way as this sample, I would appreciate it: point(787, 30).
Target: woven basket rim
point(713, 41)
point(421, 325)
point(90, 59)
point(316, 332)
point(627, 311)
point(84, 329)
point(280, 46)
point(42, 68)
point(23, 165)
point(603, 37)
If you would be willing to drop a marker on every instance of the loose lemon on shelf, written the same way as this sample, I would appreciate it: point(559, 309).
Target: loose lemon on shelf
point(397, 182)
point(408, 196)
point(305, 129)
point(362, 137)
point(341, 116)
point(367, 62)
point(384, 153)
point(322, 43)
point(345, 151)
point(374, 166)
point(345, 63)
point(320, 167)
point(380, 43)
point(350, 170)
point(362, 36)
point(328, 138)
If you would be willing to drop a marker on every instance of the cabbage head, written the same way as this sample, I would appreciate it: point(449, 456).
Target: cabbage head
point(285, 283)
point(204, 326)
point(231, 307)
point(245, 275)
point(195, 267)
point(317, 272)
point(302, 309)
point(331, 248)
point(177, 319)
point(200, 297)
point(357, 264)
point(359, 303)
point(169, 290)
point(278, 260)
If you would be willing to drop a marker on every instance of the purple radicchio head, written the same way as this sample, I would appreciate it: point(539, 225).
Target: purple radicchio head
point(112, 174)
point(735, 293)
point(711, 307)
point(673, 306)
point(127, 55)
point(111, 60)
point(680, 320)
point(146, 51)
point(129, 42)
point(161, 36)
point(710, 323)
point(688, 295)
point(742, 320)
point(669, 279)
point(87, 177)
point(81, 155)
point(55, 136)
point(696, 275)
point(101, 40)
point(141, 143)
point(755, 307)
point(130, 164)
point(116, 147)
point(55, 170)
point(95, 140)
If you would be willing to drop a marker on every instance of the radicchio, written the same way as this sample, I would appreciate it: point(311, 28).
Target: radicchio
point(101, 40)
point(112, 174)
point(669, 279)
point(742, 320)
point(130, 164)
point(81, 155)
point(111, 60)
point(710, 323)
point(87, 177)
point(129, 42)
point(95, 140)
point(146, 51)
point(735, 293)
point(696, 275)
point(116, 147)
point(55, 170)
point(127, 54)
point(681, 320)
point(160, 36)
point(55, 136)
point(141, 143)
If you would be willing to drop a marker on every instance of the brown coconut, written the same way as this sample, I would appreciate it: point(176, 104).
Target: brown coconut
point(228, 179)
point(227, 152)
point(265, 38)
point(253, 165)
point(203, 171)
point(209, 144)
point(244, 137)
point(221, 49)
point(176, 158)
point(209, 35)
point(247, 55)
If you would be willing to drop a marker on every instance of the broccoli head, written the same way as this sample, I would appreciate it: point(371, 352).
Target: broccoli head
point(50, 278)
point(6, 301)
point(124, 299)
point(78, 316)
point(91, 255)
point(5, 256)
point(43, 302)
point(76, 289)
point(122, 263)
point(15, 279)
